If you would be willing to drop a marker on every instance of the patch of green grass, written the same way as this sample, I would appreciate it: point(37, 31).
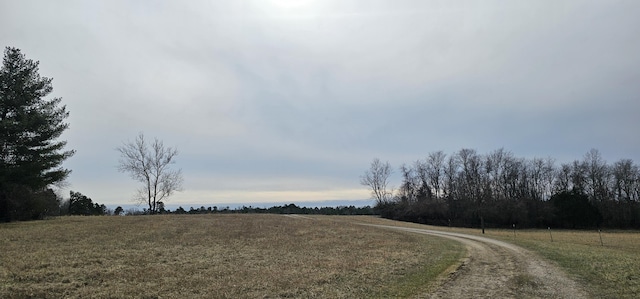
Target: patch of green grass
point(424, 279)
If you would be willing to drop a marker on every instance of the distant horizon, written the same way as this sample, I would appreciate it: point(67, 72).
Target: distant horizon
point(302, 204)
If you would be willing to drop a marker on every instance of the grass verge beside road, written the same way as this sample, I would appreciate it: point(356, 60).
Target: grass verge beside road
point(607, 269)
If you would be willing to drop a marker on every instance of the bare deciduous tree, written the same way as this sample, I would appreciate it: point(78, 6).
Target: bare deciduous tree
point(377, 178)
point(626, 175)
point(563, 178)
point(465, 187)
point(435, 171)
point(598, 176)
point(149, 164)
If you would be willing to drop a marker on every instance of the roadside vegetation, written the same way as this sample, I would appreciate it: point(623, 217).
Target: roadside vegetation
point(217, 256)
point(609, 271)
point(607, 267)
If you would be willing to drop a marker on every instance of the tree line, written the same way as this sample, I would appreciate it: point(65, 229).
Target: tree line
point(284, 209)
point(499, 189)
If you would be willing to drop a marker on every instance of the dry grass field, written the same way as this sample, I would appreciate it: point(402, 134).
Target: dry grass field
point(609, 271)
point(217, 256)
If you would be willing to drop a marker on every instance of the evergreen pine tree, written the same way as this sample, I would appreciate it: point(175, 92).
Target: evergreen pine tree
point(30, 154)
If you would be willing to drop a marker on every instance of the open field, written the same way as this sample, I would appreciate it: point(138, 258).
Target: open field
point(221, 256)
point(268, 256)
point(609, 271)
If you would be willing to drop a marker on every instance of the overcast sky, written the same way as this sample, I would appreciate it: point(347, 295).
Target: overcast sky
point(289, 101)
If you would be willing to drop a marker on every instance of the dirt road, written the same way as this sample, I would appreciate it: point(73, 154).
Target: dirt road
point(496, 269)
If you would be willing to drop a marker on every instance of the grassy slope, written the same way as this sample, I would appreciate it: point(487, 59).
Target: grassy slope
point(222, 256)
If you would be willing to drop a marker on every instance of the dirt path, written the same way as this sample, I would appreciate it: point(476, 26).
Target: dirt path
point(496, 269)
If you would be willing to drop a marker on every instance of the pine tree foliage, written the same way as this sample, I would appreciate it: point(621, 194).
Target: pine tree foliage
point(30, 124)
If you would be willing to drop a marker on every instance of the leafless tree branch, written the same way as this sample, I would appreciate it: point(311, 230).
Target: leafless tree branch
point(149, 164)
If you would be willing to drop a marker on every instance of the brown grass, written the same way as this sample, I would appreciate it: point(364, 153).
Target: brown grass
point(216, 256)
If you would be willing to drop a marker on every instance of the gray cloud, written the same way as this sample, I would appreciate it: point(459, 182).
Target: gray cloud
point(286, 97)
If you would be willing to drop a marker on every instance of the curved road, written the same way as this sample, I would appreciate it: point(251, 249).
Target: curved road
point(496, 269)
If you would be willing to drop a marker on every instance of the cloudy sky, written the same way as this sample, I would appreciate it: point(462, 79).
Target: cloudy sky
point(289, 101)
